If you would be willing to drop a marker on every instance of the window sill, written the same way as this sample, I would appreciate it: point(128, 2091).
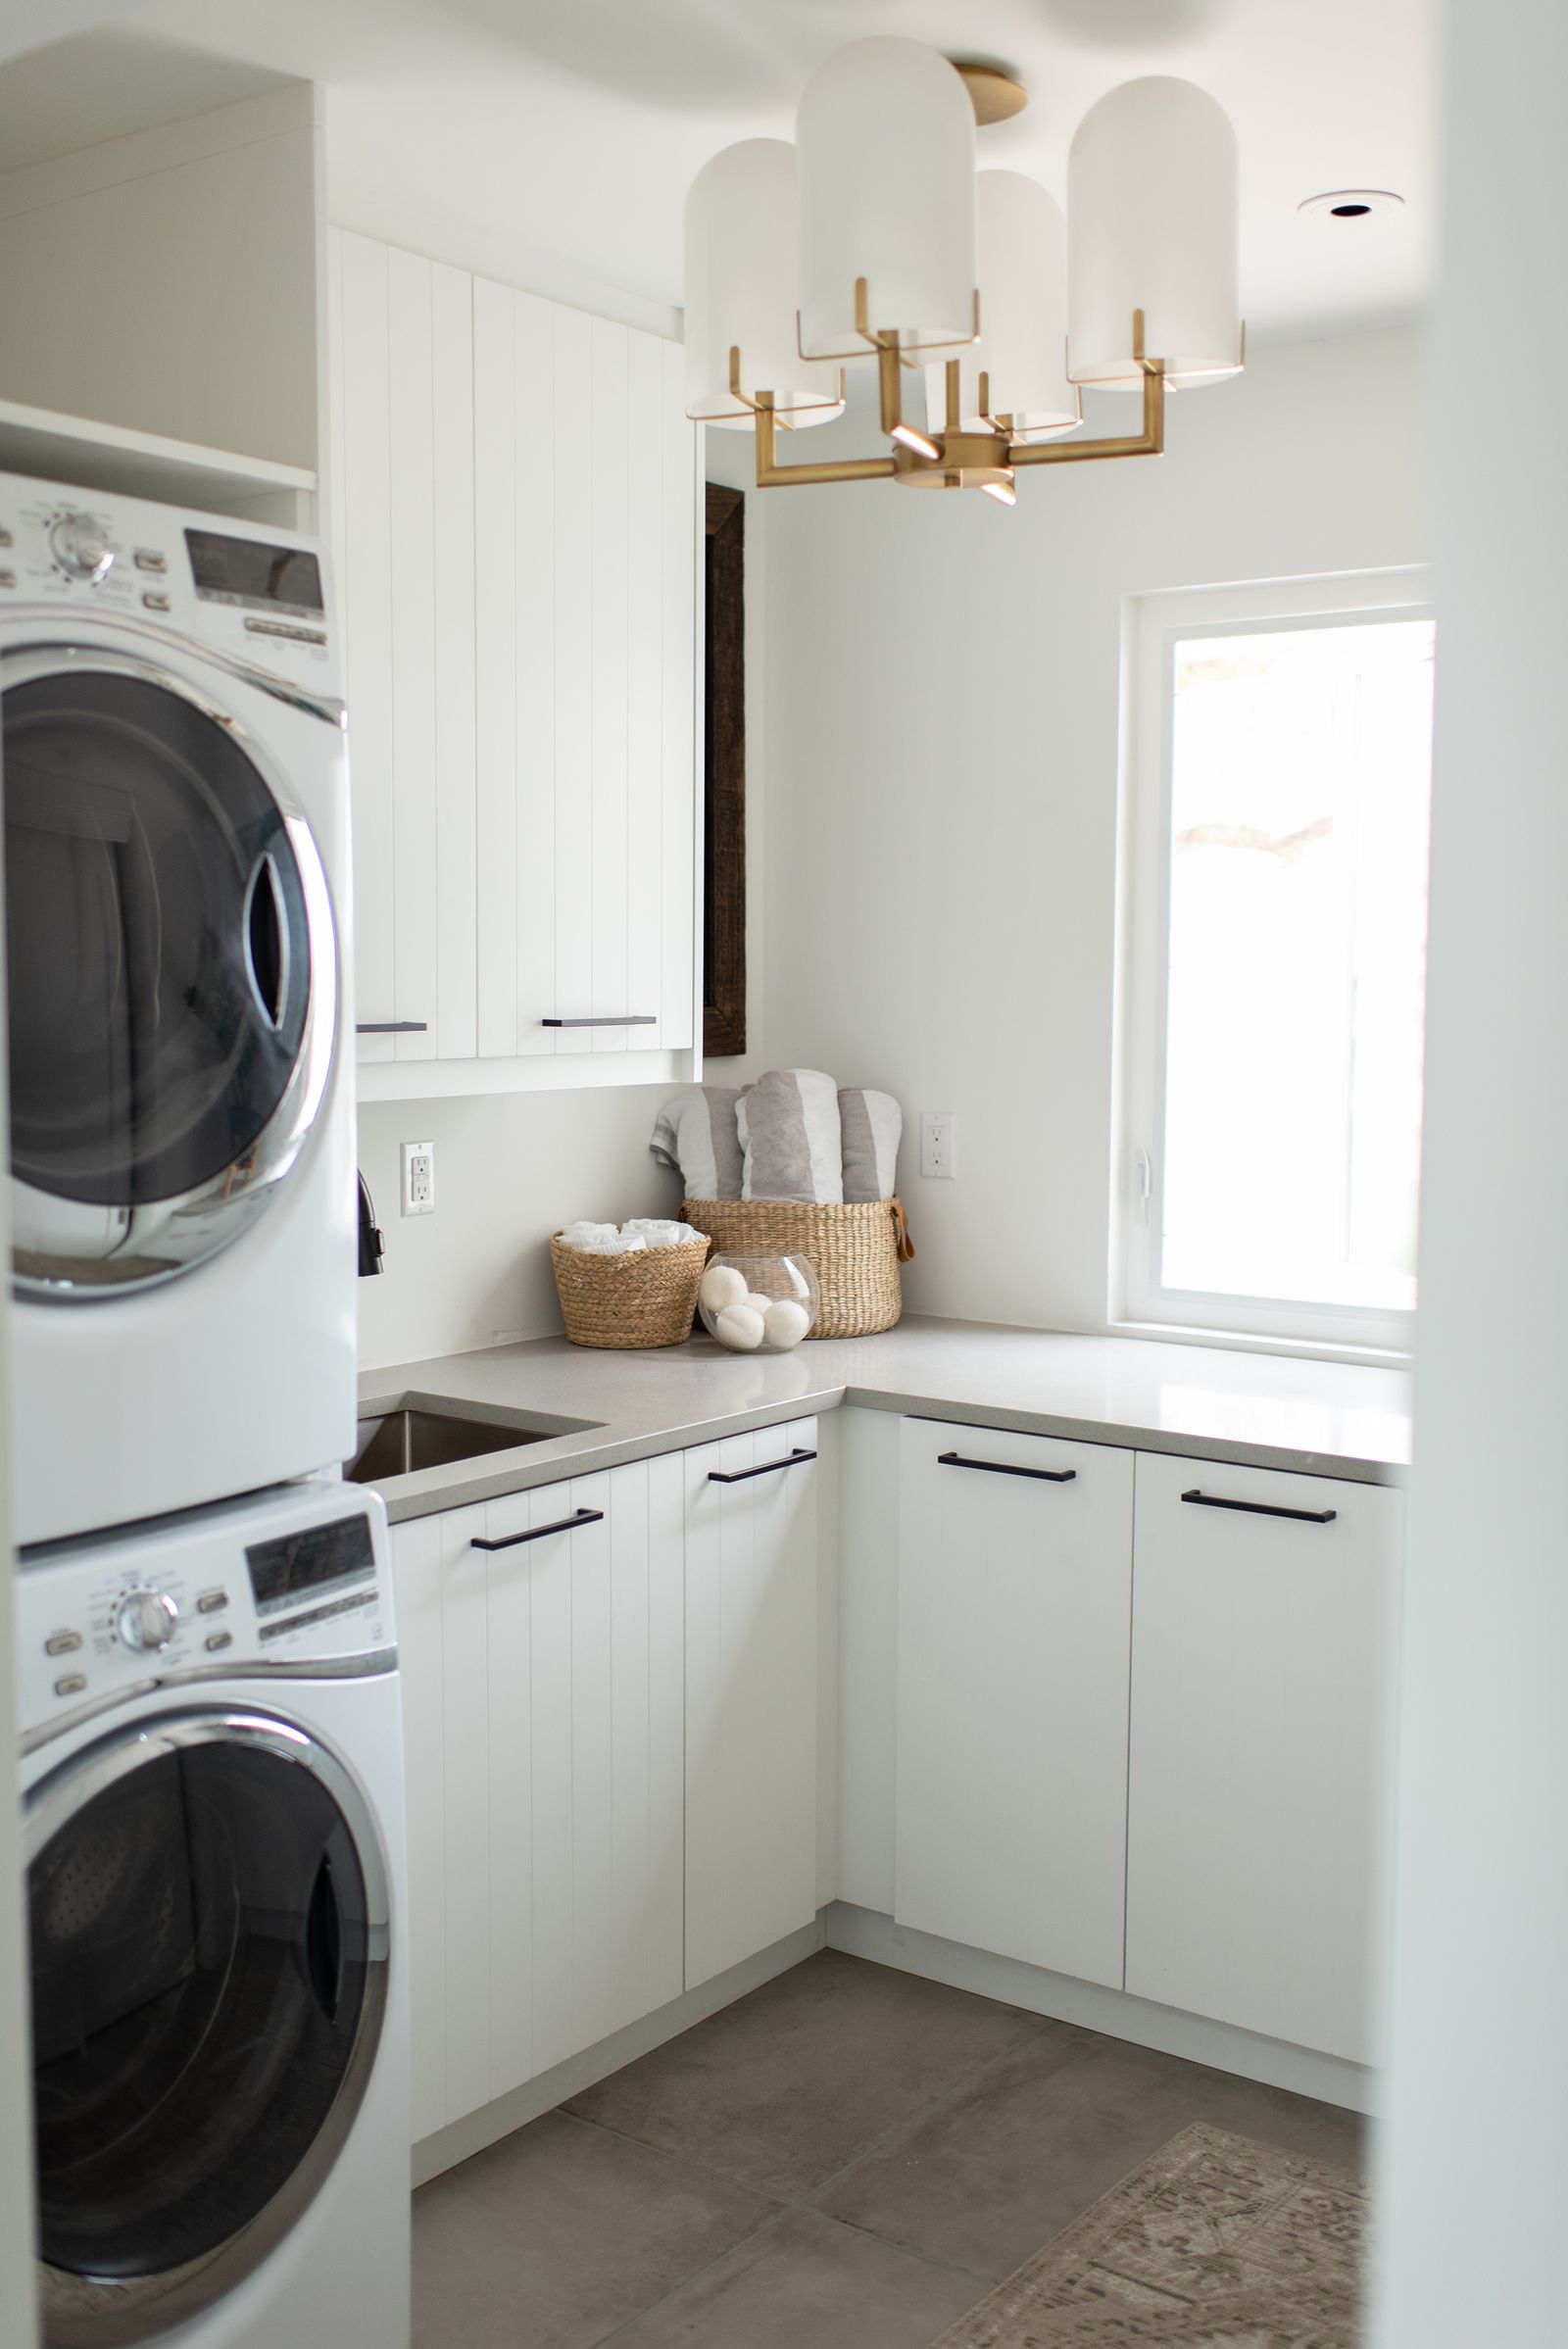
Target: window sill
point(1249, 1342)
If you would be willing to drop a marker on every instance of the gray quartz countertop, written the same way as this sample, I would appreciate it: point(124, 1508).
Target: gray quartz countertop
point(1211, 1403)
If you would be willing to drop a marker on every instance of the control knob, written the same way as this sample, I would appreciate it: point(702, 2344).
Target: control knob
point(81, 545)
point(146, 1620)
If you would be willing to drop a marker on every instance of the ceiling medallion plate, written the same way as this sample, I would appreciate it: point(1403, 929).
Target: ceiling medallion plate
point(994, 94)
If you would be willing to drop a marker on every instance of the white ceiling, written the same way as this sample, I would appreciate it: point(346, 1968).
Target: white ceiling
point(554, 140)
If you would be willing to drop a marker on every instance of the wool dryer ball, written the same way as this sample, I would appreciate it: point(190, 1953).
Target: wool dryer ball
point(722, 1284)
point(740, 1329)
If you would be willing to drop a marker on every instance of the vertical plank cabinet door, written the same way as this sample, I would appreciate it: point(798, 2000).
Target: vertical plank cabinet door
point(1015, 1602)
point(751, 1695)
point(1261, 1724)
point(439, 1585)
point(585, 1762)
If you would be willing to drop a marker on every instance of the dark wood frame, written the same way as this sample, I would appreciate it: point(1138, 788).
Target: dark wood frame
point(725, 777)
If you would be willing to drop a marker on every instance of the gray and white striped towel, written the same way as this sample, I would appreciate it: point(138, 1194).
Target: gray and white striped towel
point(872, 1127)
point(790, 1139)
point(696, 1133)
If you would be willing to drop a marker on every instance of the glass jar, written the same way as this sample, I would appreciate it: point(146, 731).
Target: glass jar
point(758, 1304)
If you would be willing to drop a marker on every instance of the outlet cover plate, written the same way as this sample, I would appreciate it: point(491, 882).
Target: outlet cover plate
point(418, 1178)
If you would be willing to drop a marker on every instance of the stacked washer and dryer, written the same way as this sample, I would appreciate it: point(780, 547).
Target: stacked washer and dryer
point(211, 1747)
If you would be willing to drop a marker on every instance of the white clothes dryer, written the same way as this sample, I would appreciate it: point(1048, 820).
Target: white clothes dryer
point(175, 784)
point(211, 1776)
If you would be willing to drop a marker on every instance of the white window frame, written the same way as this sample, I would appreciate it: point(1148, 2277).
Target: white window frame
point(1152, 624)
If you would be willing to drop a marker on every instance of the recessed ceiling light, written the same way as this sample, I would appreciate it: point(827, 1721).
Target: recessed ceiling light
point(1354, 203)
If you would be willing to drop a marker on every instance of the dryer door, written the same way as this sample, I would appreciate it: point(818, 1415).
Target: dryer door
point(172, 972)
point(208, 1909)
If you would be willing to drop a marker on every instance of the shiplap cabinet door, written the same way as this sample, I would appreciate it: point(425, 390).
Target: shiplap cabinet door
point(513, 499)
point(751, 1695)
point(1015, 1605)
point(585, 1763)
point(1262, 1714)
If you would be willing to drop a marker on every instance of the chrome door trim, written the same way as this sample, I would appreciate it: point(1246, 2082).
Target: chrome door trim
point(371, 1663)
point(182, 1230)
point(95, 2312)
point(73, 621)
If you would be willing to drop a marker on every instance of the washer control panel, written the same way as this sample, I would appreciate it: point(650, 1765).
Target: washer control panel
point(296, 1581)
point(260, 593)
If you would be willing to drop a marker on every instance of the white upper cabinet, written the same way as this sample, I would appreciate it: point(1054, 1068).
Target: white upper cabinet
point(512, 498)
point(1263, 1712)
point(1014, 1596)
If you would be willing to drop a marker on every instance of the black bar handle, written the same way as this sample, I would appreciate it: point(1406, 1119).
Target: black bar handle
point(738, 1476)
point(1044, 1476)
point(618, 1019)
point(537, 1532)
point(1260, 1508)
point(392, 1027)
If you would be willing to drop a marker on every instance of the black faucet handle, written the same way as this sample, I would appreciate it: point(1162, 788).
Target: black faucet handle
point(372, 1247)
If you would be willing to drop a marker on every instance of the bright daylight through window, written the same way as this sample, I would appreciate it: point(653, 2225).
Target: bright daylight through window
point(1274, 1109)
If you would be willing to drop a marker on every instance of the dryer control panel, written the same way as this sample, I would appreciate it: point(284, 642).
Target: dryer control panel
point(298, 1584)
point(260, 593)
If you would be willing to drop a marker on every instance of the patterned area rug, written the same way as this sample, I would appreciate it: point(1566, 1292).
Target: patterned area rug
point(1215, 2243)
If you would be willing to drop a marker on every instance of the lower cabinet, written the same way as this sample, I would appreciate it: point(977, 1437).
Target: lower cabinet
point(543, 1720)
point(1014, 1596)
point(1262, 1709)
point(751, 1693)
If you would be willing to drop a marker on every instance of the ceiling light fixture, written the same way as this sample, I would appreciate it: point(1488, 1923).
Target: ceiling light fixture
point(1354, 203)
point(873, 240)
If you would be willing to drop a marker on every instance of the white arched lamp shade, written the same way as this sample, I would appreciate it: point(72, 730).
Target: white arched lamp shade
point(1022, 350)
point(1152, 225)
point(741, 291)
point(885, 142)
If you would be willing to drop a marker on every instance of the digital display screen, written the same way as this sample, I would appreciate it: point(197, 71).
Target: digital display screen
point(309, 1560)
point(245, 570)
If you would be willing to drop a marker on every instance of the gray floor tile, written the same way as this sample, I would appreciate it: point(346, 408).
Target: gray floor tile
point(788, 2085)
point(805, 2282)
point(557, 2235)
point(1018, 2152)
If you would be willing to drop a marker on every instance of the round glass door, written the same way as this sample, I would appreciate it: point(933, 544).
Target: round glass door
point(161, 959)
point(207, 1925)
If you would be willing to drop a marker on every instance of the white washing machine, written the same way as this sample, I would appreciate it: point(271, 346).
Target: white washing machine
point(172, 759)
point(212, 1780)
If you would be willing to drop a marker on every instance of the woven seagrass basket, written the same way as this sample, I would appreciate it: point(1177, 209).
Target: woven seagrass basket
point(646, 1298)
point(854, 1251)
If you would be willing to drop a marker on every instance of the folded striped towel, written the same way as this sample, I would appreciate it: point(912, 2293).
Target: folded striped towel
point(872, 1127)
point(788, 1123)
point(695, 1132)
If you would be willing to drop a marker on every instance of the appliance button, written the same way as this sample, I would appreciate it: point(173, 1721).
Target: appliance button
point(217, 1640)
point(212, 1603)
point(70, 1683)
point(156, 603)
point(147, 560)
point(62, 1644)
point(299, 636)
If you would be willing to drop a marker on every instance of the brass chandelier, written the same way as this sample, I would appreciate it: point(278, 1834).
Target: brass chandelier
point(874, 240)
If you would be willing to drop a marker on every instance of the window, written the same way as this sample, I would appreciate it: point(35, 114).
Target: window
point(1280, 773)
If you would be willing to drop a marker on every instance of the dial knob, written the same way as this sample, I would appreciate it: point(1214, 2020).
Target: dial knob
point(81, 545)
point(147, 1620)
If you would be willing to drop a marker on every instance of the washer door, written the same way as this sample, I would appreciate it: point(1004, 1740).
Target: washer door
point(208, 1914)
point(171, 971)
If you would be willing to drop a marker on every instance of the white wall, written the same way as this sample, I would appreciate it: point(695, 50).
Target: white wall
point(1476, 2174)
point(942, 720)
point(509, 1170)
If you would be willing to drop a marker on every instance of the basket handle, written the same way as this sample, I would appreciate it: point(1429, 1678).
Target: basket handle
point(900, 1225)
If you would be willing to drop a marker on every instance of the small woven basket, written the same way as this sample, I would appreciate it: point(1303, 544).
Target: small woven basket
point(855, 1252)
point(645, 1298)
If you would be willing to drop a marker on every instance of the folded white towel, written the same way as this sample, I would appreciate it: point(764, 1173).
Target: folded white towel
point(660, 1231)
point(601, 1240)
point(872, 1126)
point(791, 1141)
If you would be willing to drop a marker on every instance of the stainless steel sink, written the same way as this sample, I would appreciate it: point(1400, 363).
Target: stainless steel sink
point(412, 1435)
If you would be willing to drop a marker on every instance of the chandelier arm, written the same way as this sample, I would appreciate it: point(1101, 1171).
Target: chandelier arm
point(1150, 442)
point(770, 474)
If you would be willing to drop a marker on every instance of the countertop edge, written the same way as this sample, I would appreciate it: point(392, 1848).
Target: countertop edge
point(434, 1492)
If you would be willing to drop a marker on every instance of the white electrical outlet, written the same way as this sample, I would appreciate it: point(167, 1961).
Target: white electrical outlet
point(418, 1178)
point(937, 1144)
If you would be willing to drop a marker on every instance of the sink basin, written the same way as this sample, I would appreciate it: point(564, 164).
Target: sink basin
point(412, 1435)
